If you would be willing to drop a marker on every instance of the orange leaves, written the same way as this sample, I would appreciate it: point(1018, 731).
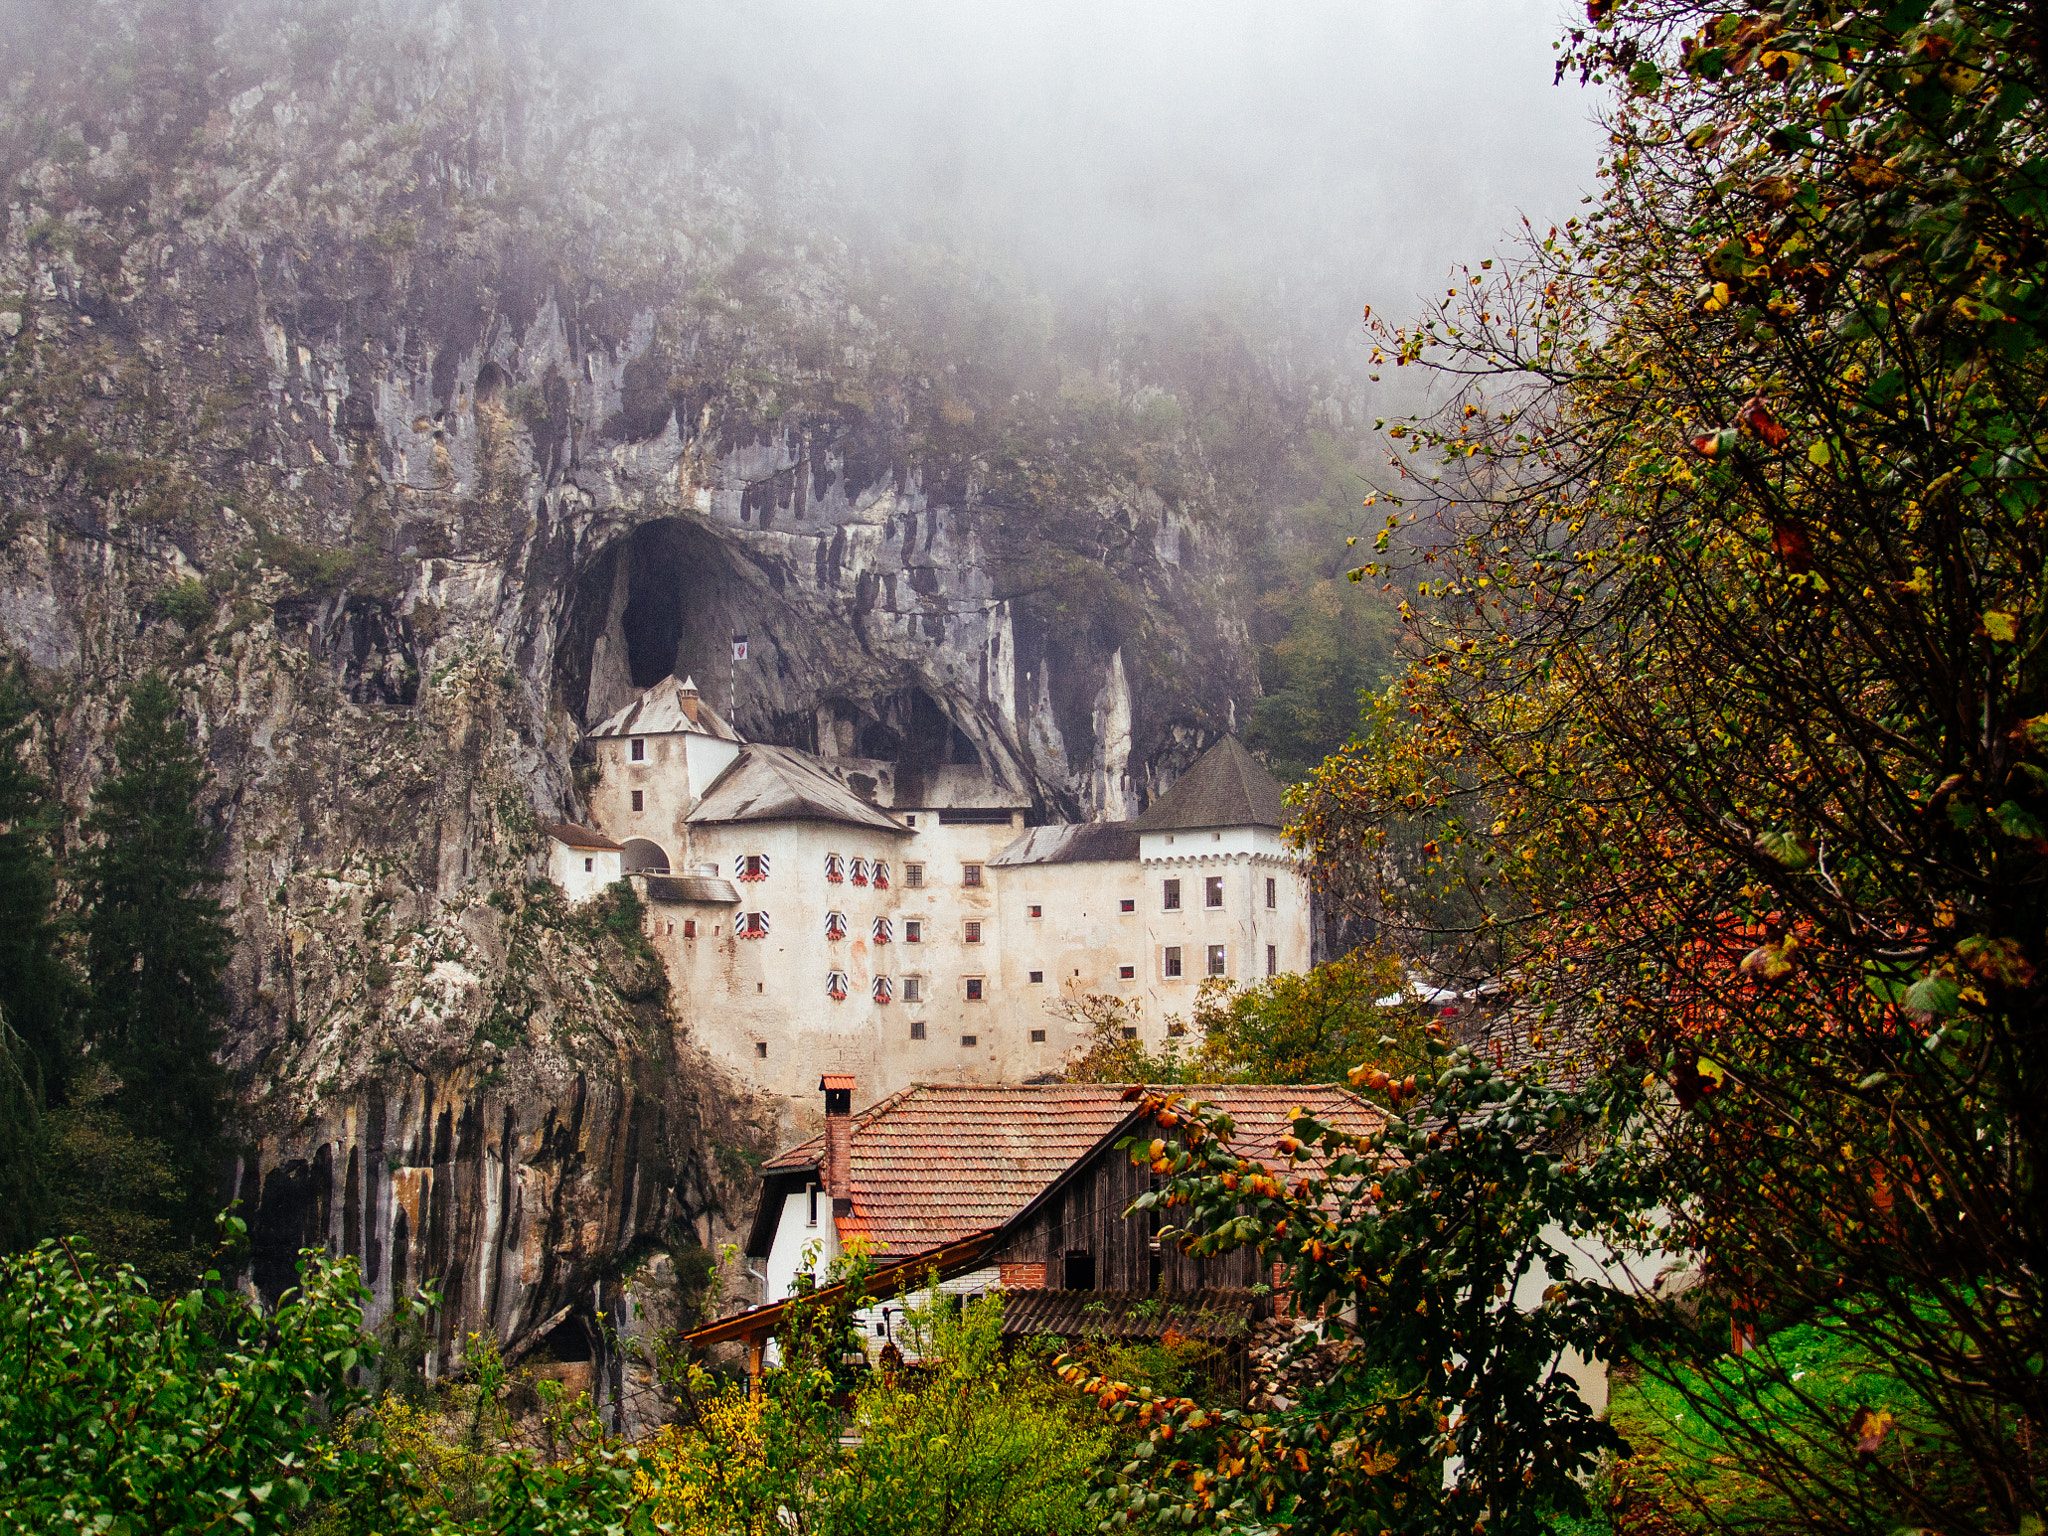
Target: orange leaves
point(1793, 547)
point(1755, 418)
point(1870, 1426)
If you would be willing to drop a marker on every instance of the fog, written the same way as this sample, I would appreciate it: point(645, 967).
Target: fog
point(1317, 154)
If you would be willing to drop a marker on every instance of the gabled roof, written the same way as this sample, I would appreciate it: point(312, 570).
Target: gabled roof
point(942, 1161)
point(767, 783)
point(1088, 842)
point(1225, 788)
point(576, 835)
point(659, 712)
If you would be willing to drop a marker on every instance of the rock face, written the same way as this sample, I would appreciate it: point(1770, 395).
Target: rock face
point(409, 401)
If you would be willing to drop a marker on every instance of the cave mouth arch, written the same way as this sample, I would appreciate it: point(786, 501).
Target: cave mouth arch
point(665, 598)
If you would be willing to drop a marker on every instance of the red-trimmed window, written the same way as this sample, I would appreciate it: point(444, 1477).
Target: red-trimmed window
point(835, 986)
point(884, 930)
point(860, 872)
point(835, 868)
point(835, 925)
point(884, 990)
point(880, 874)
point(750, 866)
point(752, 925)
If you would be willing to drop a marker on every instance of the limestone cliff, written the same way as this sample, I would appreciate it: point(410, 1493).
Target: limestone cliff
point(410, 396)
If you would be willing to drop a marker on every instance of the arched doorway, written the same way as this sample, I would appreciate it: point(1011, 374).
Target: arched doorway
point(644, 858)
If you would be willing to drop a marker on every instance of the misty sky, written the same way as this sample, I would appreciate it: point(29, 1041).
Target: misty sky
point(1350, 151)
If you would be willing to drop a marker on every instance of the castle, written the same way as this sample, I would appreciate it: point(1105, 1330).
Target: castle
point(902, 923)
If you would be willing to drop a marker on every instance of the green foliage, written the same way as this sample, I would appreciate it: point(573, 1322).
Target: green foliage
point(1312, 1026)
point(121, 1194)
point(1689, 1423)
point(156, 946)
point(1409, 1244)
point(969, 1439)
point(122, 1414)
point(187, 604)
point(978, 1441)
point(37, 993)
point(1116, 1051)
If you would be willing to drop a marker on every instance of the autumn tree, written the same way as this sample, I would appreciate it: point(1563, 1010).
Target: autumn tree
point(1735, 696)
point(1311, 1026)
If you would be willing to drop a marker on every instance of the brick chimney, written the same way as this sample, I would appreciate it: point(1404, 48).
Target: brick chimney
point(687, 697)
point(838, 1090)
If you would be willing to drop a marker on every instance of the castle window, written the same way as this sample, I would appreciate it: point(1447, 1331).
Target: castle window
point(638, 751)
point(913, 930)
point(974, 989)
point(638, 803)
point(1130, 1031)
point(880, 874)
point(882, 989)
point(1038, 1037)
point(761, 1049)
point(1037, 976)
point(970, 1041)
point(973, 932)
point(1170, 961)
point(1272, 960)
point(752, 925)
point(689, 927)
point(1272, 893)
point(1035, 910)
point(1126, 972)
point(913, 989)
point(916, 1027)
point(1217, 965)
point(835, 925)
point(859, 872)
point(884, 930)
point(1213, 891)
point(1170, 895)
point(589, 865)
point(913, 876)
point(970, 874)
point(1128, 904)
point(835, 868)
point(750, 866)
point(835, 986)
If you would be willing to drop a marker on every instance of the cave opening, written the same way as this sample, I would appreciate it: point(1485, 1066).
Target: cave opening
point(658, 601)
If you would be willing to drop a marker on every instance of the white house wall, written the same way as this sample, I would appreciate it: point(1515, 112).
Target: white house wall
point(582, 872)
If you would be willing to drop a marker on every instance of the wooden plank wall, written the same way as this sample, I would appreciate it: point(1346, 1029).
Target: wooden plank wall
point(1088, 1215)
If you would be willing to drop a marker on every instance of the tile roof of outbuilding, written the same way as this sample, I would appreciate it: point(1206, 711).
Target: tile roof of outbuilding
point(767, 783)
point(706, 888)
point(940, 1161)
point(659, 711)
point(1211, 1314)
point(1225, 788)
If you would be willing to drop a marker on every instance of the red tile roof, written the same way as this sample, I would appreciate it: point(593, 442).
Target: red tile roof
point(940, 1161)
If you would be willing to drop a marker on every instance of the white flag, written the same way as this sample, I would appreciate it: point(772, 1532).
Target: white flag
point(739, 647)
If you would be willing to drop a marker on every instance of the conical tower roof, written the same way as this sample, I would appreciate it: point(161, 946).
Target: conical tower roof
point(1225, 788)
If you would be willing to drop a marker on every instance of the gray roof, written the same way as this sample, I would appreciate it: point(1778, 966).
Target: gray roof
point(1088, 842)
point(767, 783)
point(576, 835)
point(659, 712)
point(692, 888)
point(1225, 788)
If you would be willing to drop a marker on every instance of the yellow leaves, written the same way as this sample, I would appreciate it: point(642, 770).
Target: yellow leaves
point(1819, 454)
point(1999, 625)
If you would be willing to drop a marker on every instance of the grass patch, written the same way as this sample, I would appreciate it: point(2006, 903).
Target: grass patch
point(1694, 1436)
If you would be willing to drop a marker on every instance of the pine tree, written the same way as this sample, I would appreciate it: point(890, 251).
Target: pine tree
point(36, 993)
point(35, 990)
point(156, 946)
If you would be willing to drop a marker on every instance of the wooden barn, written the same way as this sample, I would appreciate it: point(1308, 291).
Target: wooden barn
point(1019, 1190)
